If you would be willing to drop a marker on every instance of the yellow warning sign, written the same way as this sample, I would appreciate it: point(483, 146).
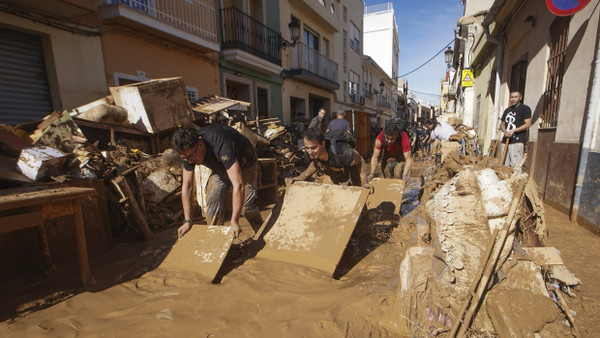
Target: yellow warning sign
point(467, 78)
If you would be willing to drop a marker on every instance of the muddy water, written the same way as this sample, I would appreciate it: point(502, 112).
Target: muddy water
point(258, 297)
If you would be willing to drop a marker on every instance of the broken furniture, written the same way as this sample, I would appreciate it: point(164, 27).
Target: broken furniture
point(31, 207)
point(266, 185)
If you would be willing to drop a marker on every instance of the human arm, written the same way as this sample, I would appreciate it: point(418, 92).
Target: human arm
point(187, 189)
point(238, 192)
point(376, 152)
point(308, 172)
point(525, 126)
point(408, 158)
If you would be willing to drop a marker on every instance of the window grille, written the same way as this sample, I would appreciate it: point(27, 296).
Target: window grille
point(559, 31)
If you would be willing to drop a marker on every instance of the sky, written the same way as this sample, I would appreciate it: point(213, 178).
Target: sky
point(424, 28)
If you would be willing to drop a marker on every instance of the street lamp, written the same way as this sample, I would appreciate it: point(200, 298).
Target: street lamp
point(448, 56)
point(294, 27)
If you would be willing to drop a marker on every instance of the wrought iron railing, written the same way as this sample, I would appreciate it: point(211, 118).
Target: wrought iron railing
point(242, 31)
point(382, 101)
point(309, 59)
point(198, 17)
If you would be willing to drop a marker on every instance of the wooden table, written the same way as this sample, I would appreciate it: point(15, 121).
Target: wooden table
point(30, 207)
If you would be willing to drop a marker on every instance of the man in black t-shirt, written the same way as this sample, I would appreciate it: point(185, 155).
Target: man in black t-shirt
point(234, 165)
point(344, 165)
point(514, 123)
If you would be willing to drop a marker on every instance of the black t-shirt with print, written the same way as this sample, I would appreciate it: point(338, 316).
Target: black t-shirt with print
point(224, 145)
point(514, 117)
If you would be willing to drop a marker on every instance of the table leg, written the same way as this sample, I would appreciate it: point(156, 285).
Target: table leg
point(41, 230)
point(81, 244)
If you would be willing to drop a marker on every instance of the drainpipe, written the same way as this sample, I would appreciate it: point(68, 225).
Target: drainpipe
point(592, 124)
point(499, 59)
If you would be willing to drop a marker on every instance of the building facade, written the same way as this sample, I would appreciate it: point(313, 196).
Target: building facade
point(553, 60)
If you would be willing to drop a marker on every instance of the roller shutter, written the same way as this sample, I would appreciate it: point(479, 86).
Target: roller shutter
point(24, 91)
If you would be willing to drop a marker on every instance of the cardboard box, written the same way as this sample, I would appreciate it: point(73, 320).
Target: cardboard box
point(155, 105)
point(39, 162)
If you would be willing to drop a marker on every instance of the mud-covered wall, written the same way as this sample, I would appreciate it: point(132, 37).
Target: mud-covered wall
point(589, 205)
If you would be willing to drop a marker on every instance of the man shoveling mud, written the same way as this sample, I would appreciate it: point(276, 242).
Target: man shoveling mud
point(396, 158)
point(340, 162)
point(234, 165)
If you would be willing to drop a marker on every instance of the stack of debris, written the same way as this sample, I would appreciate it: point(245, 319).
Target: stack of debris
point(485, 270)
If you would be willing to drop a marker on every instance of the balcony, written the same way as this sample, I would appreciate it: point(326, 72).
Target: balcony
point(382, 102)
point(310, 66)
point(250, 43)
point(190, 22)
point(368, 95)
point(356, 98)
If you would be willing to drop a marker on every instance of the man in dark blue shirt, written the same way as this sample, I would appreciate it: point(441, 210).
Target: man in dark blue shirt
point(340, 122)
point(234, 165)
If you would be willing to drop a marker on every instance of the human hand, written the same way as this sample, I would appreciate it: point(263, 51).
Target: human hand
point(235, 229)
point(509, 133)
point(183, 229)
point(370, 177)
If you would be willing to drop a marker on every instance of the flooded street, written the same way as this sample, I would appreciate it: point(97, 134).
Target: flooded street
point(256, 297)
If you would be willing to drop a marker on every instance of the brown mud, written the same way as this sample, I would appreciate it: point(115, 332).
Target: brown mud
point(131, 294)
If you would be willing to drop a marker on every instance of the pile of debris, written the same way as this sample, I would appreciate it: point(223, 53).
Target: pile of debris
point(485, 270)
point(123, 141)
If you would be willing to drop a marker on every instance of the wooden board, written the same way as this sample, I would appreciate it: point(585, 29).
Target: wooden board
point(203, 249)
point(543, 255)
point(315, 224)
point(386, 191)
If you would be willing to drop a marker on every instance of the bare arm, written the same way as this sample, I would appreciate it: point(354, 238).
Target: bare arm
point(408, 158)
point(187, 188)
point(375, 156)
point(308, 172)
point(238, 193)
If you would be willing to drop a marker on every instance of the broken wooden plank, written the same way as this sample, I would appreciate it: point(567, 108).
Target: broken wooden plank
point(123, 187)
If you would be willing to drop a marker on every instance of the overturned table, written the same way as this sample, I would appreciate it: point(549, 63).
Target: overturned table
point(30, 207)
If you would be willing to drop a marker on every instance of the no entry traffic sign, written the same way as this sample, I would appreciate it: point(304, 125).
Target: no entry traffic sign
point(565, 7)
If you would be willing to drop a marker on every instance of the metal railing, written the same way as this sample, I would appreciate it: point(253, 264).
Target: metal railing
point(198, 17)
point(306, 58)
point(242, 31)
point(382, 101)
point(368, 95)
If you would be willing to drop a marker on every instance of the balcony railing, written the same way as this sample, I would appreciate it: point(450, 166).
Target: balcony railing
point(308, 59)
point(198, 17)
point(382, 101)
point(368, 95)
point(241, 31)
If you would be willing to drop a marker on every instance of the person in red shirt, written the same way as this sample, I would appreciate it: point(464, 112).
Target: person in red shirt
point(396, 158)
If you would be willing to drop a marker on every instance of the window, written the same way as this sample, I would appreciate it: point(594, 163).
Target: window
point(559, 31)
point(354, 38)
point(518, 75)
point(353, 83)
point(345, 11)
point(311, 39)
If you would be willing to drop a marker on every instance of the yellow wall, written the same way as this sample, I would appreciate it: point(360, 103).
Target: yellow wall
point(128, 53)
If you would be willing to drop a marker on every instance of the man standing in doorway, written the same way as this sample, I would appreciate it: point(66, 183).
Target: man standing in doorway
point(318, 121)
point(514, 123)
point(340, 122)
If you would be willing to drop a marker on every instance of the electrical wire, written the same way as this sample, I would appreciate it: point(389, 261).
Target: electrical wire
point(414, 91)
point(426, 62)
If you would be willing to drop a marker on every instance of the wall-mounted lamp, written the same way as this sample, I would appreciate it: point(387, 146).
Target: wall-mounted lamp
point(381, 88)
point(448, 54)
point(294, 27)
